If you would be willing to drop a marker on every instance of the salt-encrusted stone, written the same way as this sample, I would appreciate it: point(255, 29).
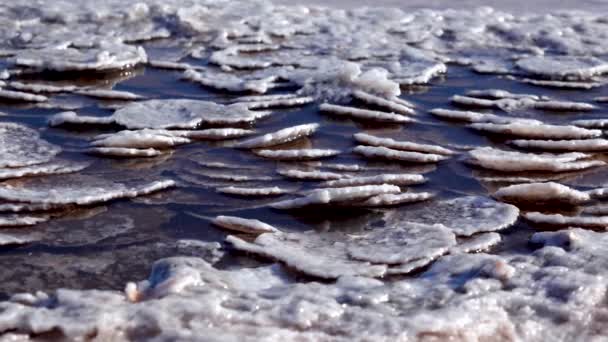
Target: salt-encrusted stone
point(563, 84)
point(21, 96)
point(238, 224)
point(371, 140)
point(308, 253)
point(533, 130)
point(144, 138)
point(181, 114)
point(279, 137)
point(13, 220)
point(467, 116)
point(591, 123)
point(22, 146)
point(389, 104)
point(363, 114)
point(567, 221)
point(396, 199)
point(510, 161)
point(297, 154)
point(569, 68)
point(395, 179)
point(50, 168)
point(214, 133)
point(477, 243)
point(265, 102)
point(392, 154)
point(337, 196)
point(104, 56)
point(541, 193)
point(261, 191)
point(229, 82)
point(582, 145)
point(124, 152)
point(310, 175)
point(465, 216)
point(76, 189)
point(109, 94)
point(402, 244)
point(71, 118)
point(6, 239)
point(40, 87)
point(497, 94)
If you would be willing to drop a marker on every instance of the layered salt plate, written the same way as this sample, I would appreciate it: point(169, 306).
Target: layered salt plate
point(248, 171)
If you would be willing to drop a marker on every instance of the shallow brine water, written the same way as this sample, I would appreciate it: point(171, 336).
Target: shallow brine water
point(285, 172)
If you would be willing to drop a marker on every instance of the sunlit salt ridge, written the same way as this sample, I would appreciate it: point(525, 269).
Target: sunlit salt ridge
point(301, 172)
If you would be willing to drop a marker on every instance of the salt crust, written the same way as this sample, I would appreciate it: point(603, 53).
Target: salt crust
point(541, 193)
point(238, 224)
point(261, 191)
point(402, 156)
point(22, 146)
point(297, 154)
point(337, 196)
point(280, 137)
point(510, 161)
point(372, 140)
point(364, 114)
point(76, 189)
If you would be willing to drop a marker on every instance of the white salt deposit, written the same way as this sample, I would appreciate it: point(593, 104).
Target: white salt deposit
point(363, 114)
point(261, 191)
point(181, 114)
point(20, 220)
point(562, 84)
point(591, 123)
point(468, 116)
point(21, 96)
point(238, 224)
point(50, 168)
point(337, 196)
point(145, 138)
point(401, 245)
point(541, 193)
point(582, 145)
point(396, 199)
point(76, 189)
point(22, 146)
point(310, 175)
point(103, 56)
point(395, 179)
point(109, 94)
point(569, 68)
point(465, 216)
point(497, 94)
point(567, 221)
point(533, 130)
point(124, 152)
point(308, 253)
point(215, 133)
point(510, 161)
point(6, 240)
point(392, 105)
point(71, 118)
point(371, 140)
point(402, 156)
point(478, 243)
point(297, 154)
point(279, 137)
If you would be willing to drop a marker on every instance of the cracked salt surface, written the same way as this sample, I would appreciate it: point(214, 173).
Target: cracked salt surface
point(386, 219)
